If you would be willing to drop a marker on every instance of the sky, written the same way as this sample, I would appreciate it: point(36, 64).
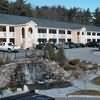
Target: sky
point(91, 4)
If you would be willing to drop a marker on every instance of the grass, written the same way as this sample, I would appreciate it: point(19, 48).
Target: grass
point(96, 80)
point(87, 92)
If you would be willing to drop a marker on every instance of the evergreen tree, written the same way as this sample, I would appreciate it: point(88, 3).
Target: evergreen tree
point(20, 7)
point(97, 17)
point(4, 6)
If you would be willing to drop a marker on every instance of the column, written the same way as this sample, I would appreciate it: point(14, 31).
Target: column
point(57, 36)
point(7, 34)
point(47, 34)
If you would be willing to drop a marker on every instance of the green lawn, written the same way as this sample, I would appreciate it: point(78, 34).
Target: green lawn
point(96, 80)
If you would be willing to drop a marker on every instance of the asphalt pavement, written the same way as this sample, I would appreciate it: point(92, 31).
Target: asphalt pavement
point(84, 54)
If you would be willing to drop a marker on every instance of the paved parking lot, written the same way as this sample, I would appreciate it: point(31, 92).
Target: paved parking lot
point(15, 55)
point(79, 98)
point(87, 54)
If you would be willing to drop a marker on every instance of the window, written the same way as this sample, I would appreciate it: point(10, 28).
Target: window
point(30, 30)
point(12, 40)
point(69, 40)
point(98, 34)
point(3, 44)
point(88, 40)
point(68, 32)
point(2, 39)
point(2, 28)
point(61, 40)
point(93, 34)
point(42, 40)
point(23, 33)
point(88, 33)
point(52, 40)
point(52, 31)
point(78, 33)
point(61, 31)
point(82, 33)
point(41, 30)
point(94, 40)
point(98, 40)
point(10, 44)
point(11, 29)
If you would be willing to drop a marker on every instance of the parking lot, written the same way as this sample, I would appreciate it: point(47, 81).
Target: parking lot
point(79, 98)
point(12, 56)
point(84, 54)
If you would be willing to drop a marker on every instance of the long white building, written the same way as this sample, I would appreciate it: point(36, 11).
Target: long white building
point(26, 32)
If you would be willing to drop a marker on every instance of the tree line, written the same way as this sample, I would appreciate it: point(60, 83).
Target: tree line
point(76, 15)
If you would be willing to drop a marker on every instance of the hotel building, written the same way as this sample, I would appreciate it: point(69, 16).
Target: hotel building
point(27, 32)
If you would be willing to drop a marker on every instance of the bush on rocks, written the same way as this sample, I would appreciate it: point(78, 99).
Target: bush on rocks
point(68, 67)
point(74, 62)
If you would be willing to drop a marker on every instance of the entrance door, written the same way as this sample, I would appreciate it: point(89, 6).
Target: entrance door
point(78, 37)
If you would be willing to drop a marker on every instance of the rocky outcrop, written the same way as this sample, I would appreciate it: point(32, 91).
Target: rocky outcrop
point(34, 69)
point(5, 72)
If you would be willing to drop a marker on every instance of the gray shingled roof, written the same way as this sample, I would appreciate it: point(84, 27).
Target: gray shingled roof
point(93, 28)
point(56, 24)
point(13, 19)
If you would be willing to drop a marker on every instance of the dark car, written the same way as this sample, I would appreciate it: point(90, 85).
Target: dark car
point(99, 45)
point(46, 46)
point(92, 44)
point(40, 46)
point(80, 45)
point(70, 45)
point(28, 96)
point(42, 97)
point(50, 45)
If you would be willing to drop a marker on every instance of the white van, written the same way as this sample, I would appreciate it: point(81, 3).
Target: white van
point(8, 46)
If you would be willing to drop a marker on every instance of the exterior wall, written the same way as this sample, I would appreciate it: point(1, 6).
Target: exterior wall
point(91, 37)
point(83, 35)
point(31, 39)
point(56, 36)
point(18, 37)
point(74, 36)
point(7, 34)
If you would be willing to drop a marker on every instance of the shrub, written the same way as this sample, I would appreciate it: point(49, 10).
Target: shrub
point(97, 80)
point(56, 55)
point(60, 55)
point(51, 53)
point(4, 61)
point(83, 66)
point(74, 62)
point(12, 85)
point(69, 67)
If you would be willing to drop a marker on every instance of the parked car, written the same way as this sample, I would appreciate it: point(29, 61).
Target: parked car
point(42, 97)
point(8, 46)
point(70, 45)
point(64, 46)
point(99, 45)
point(52, 45)
point(92, 44)
point(40, 46)
point(80, 45)
point(46, 46)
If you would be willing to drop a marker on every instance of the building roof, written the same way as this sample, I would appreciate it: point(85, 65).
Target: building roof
point(93, 28)
point(13, 19)
point(55, 24)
